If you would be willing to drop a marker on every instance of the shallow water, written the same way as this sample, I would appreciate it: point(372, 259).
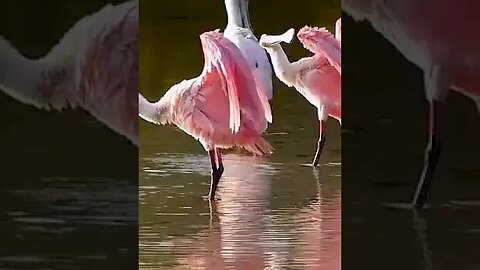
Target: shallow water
point(68, 184)
point(270, 214)
point(273, 212)
point(68, 223)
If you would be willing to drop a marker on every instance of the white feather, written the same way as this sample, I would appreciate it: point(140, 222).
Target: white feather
point(246, 41)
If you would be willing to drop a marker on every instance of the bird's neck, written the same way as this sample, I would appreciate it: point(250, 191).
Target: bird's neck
point(41, 82)
point(157, 113)
point(17, 72)
point(281, 64)
point(237, 13)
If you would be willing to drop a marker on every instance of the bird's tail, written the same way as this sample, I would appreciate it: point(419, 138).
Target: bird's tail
point(259, 147)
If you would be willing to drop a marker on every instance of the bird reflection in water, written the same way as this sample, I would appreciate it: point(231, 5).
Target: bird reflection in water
point(420, 225)
point(237, 221)
point(246, 233)
point(322, 236)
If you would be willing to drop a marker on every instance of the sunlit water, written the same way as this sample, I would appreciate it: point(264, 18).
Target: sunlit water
point(270, 214)
point(273, 213)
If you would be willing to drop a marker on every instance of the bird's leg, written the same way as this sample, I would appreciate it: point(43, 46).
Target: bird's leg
point(220, 163)
point(432, 152)
point(214, 179)
point(321, 143)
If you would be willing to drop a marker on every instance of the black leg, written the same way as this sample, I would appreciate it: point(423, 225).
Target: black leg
point(321, 142)
point(432, 152)
point(220, 163)
point(216, 171)
point(213, 180)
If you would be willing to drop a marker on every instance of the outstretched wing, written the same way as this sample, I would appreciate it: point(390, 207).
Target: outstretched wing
point(225, 63)
point(326, 44)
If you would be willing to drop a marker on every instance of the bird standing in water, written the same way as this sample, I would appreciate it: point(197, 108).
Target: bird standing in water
point(94, 66)
point(317, 78)
point(223, 107)
point(446, 50)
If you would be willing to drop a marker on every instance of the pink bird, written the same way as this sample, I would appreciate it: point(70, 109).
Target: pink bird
point(223, 107)
point(317, 78)
point(94, 66)
point(447, 50)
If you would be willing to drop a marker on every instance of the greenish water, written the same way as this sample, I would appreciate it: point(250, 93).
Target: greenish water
point(273, 212)
point(68, 184)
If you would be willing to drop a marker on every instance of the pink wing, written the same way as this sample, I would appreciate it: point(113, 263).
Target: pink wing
point(321, 41)
point(225, 62)
point(322, 86)
point(109, 71)
point(224, 106)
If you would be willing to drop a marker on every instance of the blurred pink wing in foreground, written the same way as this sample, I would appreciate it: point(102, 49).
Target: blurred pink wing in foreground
point(224, 61)
point(110, 71)
point(321, 41)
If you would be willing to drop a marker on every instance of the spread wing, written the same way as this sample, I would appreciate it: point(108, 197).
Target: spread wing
point(329, 46)
point(226, 68)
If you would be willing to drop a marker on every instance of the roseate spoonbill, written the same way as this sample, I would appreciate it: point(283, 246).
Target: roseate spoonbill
point(222, 107)
point(94, 66)
point(317, 78)
point(419, 30)
point(240, 32)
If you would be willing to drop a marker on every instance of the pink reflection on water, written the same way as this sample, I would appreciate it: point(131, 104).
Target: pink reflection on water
point(325, 255)
point(246, 234)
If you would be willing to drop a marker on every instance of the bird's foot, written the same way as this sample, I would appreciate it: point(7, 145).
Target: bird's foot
point(418, 207)
point(212, 198)
point(311, 165)
point(404, 206)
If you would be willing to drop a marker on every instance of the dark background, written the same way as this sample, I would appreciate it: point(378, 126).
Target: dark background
point(68, 184)
point(383, 140)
